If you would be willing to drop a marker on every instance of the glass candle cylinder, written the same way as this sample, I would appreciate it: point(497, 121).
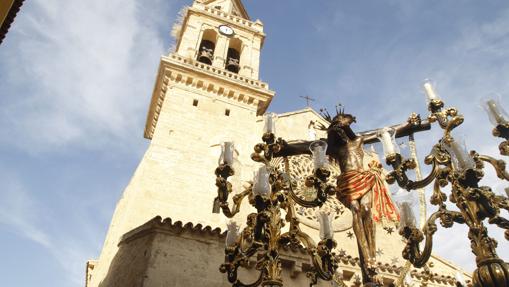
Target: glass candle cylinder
point(496, 114)
point(407, 217)
point(227, 150)
point(261, 185)
point(387, 137)
point(429, 90)
point(408, 280)
point(325, 220)
point(233, 233)
point(319, 149)
point(460, 280)
point(311, 133)
point(460, 157)
point(269, 123)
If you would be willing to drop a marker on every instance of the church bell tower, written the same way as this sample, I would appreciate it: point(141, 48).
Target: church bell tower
point(206, 91)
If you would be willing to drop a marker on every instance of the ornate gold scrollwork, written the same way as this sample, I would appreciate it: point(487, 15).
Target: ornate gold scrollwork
point(319, 182)
point(502, 131)
point(263, 152)
point(401, 166)
point(414, 236)
point(224, 189)
point(498, 165)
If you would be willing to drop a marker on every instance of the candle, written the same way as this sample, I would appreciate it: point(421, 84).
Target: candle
point(319, 149)
point(261, 185)
point(227, 153)
point(407, 217)
point(430, 91)
point(387, 142)
point(325, 220)
point(494, 112)
point(269, 123)
point(233, 233)
point(386, 136)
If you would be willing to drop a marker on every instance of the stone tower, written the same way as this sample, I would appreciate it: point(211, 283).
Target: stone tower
point(207, 87)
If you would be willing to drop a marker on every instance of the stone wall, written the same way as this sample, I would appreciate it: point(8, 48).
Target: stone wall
point(162, 253)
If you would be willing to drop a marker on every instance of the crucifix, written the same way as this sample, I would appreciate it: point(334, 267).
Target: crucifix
point(360, 189)
point(308, 99)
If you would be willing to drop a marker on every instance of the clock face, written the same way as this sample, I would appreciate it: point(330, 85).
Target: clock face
point(226, 30)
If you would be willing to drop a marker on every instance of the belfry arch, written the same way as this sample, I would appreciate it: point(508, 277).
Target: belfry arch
point(233, 55)
point(207, 46)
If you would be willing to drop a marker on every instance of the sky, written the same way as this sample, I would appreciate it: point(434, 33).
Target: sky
point(76, 79)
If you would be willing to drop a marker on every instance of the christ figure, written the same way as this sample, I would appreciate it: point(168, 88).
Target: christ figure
point(360, 189)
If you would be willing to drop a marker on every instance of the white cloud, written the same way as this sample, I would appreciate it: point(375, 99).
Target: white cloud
point(73, 75)
point(17, 209)
point(491, 38)
point(80, 73)
point(29, 218)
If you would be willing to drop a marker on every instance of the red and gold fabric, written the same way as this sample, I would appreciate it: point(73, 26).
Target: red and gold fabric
point(354, 184)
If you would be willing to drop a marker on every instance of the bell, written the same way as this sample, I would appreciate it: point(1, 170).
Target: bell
point(233, 65)
point(232, 60)
point(206, 53)
point(205, 56)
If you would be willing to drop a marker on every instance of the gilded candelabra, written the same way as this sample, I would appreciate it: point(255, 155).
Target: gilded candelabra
point(452, 165)
point(270, 193)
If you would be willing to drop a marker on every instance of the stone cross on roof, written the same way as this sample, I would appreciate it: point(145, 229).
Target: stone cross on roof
point(308, 100)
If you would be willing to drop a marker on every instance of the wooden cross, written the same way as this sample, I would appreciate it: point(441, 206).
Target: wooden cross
point(308, 99)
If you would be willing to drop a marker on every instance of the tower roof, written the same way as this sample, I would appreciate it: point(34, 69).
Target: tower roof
point(237, 8)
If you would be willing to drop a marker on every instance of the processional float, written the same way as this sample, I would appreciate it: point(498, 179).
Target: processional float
point(273, 194)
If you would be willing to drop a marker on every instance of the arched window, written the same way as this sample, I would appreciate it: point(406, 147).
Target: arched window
point(207, 46)
point(233, 56)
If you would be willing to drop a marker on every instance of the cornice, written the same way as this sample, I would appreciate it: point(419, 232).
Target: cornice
point(175, 70)
point(238, 22)
point(9, 19)
point(158, 224)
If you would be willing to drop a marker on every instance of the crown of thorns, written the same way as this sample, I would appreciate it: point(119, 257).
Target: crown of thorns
point(340, 111)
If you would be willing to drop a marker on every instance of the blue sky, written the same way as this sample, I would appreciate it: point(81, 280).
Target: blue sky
point(76, 79)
